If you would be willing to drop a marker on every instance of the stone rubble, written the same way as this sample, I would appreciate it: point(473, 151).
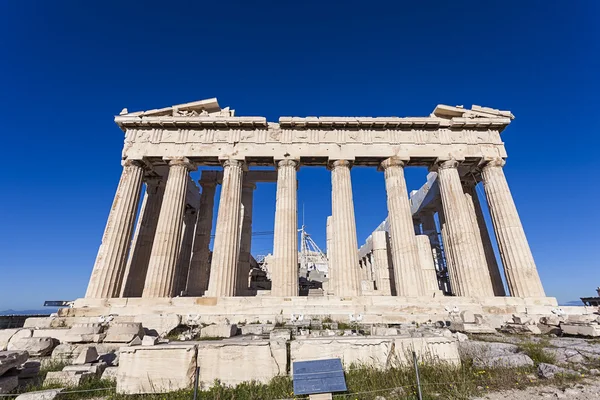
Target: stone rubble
point(35, 346)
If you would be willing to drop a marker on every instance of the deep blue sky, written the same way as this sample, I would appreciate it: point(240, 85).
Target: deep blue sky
point(69, 66)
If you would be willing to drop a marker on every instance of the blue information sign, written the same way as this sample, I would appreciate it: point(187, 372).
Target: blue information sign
point(318, 376)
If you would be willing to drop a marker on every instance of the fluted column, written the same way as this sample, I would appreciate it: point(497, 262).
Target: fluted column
point(428, 272)
point(471, 272)
point(519, 266)
point(344, 226)
point(222, 282)
point(141, 245)
point(285, 245)
point(109, 268)
point(160, 278)
point(430, 229)
point(185, 251)
point(329, 285)
point(482, 237)
point(246, 239)
point(198, 275)
point(405, 257)
point(448, 257)
point(382, 267)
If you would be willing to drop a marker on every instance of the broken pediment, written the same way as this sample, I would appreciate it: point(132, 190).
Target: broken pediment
point(208, 108)
point(449, 112)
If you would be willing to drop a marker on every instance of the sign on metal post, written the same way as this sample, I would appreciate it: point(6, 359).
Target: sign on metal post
point(318, 376)
point(56, 303)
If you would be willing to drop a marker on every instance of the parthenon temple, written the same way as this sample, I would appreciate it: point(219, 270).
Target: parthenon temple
point(435, 242)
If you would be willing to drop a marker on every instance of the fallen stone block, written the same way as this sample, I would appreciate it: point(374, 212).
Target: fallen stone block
point(8, 383)
point(123, 332)
point(257, 329)
point(158, 324)
point(135, 342)
point(471, 328)
point(35, 346)
point(49, 394)
point(8, 335)
point(85, 333)
point(507, 361)
point(285, 334)
point(87, 355)
point(467, 317)
point(236, 361)
point(522, 319)
point(58, 334)
point(30, 369)
point(219, 331)
point(64, 352)
point(67, 378)
point(38, 322)
point(149, 340)
point(590, 330)
point(96, 368)
point(383, 331)
point(547, 371)
point(552, 320)
point(523, 329)
point(12, 359)
point(156, 369)
point(110, 373)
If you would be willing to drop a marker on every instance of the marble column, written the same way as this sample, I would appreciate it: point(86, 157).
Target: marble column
point(380, 259)
point(285, 245)
point(428, 272)
point(109, 268)
point(448, 257)
point(484, 244)
point(246, 239)
point(226, 248)
point(519, 267)
point(405, 257)
point(198, 275)
point(344, 226)
point(160, 278)
point(141, 245)
point(185, 251)
point(430, 229)
point(329, 285)
point(471, 272)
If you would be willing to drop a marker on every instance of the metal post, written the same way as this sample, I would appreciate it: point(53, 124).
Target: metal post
point(420, 395)
point(196, 383)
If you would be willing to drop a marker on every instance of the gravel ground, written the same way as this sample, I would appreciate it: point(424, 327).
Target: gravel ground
point(588, 389)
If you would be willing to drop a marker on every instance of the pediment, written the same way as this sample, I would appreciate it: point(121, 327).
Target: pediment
point(208, 107)
point(449, 112)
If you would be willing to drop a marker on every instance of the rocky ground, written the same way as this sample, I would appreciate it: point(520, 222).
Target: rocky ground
point(588, 389)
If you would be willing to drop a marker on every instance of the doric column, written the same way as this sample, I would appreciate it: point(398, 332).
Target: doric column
point(198, 276)
point(430, 229)
point(428, 272)
point(447, 249)
point(472, 277)
point(109, 268)
point(329, 285)
point(160, 278)
point(344, 226)
point(380, 259)
point(226, 248)
point(185, 251)
point(141, 245)
point(284, 281)
point(402, 230)
point(246, 239)
point(484, 245)
point(519, 267)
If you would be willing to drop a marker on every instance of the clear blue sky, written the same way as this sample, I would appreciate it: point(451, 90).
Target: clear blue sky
point(69, 66)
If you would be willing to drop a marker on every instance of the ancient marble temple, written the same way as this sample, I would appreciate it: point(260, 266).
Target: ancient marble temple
point(156, 240)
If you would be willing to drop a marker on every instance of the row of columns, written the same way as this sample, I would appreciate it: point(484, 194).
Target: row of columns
point(160, 242)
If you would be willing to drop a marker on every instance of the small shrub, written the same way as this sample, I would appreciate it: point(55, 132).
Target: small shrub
point(537, 352)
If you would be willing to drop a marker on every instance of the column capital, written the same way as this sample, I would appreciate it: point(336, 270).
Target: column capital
point(392, 162)
point(493, 162)
point(333, 164)
point(136, 163)
point(288, 163)
point(446, 164)
point(234, 163)
point(184, 161)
